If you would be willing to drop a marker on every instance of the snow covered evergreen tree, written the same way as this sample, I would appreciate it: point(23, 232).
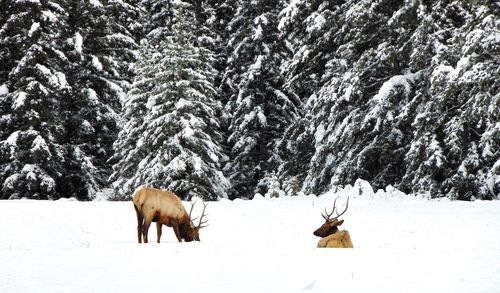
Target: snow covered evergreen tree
point(388, 121)
point(170, 137)
point(156, 19)
point(32, 134)
point(216, 19)
point(314, 94)
point(455, 150)
point(310, 29)
point(68, 64)
point(258, 110)
point(101, 49)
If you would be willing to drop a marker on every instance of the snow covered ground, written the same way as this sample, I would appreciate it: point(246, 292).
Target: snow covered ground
point(402, 244)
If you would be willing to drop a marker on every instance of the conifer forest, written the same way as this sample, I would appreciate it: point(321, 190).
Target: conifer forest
point(226, 99)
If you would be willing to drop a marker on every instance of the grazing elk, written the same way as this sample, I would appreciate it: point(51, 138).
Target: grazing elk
point(329, 231)
point(164, 208)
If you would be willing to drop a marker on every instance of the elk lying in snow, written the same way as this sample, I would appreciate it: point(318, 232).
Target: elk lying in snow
point(164, 208)
point(329, 231)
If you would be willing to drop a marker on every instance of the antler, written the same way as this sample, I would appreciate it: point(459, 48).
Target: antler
point(327, 215)
point(202, 223)
point(191, 210)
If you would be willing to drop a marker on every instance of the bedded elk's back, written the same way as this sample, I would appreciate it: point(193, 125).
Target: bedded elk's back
point(164, 208)
point(340, 239)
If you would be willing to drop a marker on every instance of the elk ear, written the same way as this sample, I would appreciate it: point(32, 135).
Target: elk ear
point(336, 223)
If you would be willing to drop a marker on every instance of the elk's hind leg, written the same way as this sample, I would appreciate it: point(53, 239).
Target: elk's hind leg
point(140, 223)
point(145, 228)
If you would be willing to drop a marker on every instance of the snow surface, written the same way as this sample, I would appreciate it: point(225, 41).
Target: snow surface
point(78, 43)
point(19, 100)
point(96, 3)
point(34, 27)
point(4, 90)
point(402, 244)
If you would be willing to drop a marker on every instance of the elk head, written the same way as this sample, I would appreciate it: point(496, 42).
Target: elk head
point(191, 232)
point(331, 224)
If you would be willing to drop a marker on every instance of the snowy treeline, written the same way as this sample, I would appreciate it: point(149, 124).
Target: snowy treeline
point(229, 98)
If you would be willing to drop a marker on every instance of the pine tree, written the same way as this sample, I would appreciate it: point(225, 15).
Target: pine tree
point(311, 28)
point(170, 137)
point(356, 57)
point(258, 109)
point(217, 15)
point(66, 65)
point(101, 49)
point(455, 150)
point(32, 134)
point(156, 19)
point(424, 125)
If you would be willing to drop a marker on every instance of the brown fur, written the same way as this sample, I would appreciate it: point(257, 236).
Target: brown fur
point(341, 239)
point(164, 208)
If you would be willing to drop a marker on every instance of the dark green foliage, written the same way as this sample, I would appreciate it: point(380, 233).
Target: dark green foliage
point(258, 109)
point(170, 137)
point(408, 99)
point(101, 49)
point(31, 137)
point(64, 67)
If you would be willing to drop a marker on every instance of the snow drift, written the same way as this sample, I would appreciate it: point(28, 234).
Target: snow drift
point(402, 244)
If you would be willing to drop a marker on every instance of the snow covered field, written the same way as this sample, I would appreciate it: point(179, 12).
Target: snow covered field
point(402, 244)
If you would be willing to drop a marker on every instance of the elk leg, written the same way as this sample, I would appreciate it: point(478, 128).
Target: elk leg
point(140, 220)
point(158, 231)
point(177, 232)
point(139, 231)
point(145, 228)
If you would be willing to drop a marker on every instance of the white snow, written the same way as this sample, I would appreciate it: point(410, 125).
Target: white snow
point(78, 43)
point(92, 96)
point(315, 22)
point(96, 63)
point(30, 171)
point(19, 100)
point(34, 27)
point(320, 133)
point(96, 3)
point(257, 34)
point(49, 15)
point(182, 104)
point(436, 153)
point(187, 132)
point(61, 79)
point(13, 137)
point(40, 145)
point(382, 99)
point(288, 13)
point(258, 22)
point(402, 244)
point(4, 90)
point(27, 1)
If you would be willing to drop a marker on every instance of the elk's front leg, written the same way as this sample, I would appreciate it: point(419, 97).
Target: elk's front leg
point(158, 231)
point(177, 232)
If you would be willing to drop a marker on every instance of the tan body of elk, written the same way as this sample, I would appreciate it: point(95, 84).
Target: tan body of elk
point(164, 208)
point(329, 231)
point(340, 239)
